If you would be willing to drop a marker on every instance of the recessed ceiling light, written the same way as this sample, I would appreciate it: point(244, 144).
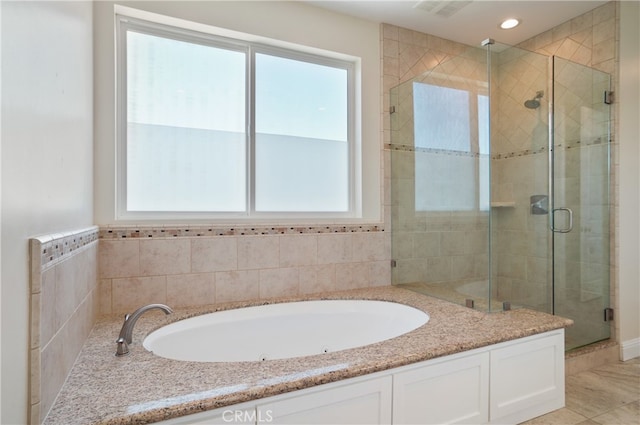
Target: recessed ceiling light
point(509, 23)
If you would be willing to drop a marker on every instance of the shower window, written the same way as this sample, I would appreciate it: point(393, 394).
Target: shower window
point(451, 148)
point(213, 127)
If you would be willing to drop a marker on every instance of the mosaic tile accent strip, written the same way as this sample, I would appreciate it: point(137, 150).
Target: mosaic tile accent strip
point(55, 247)
point(409, 148)
point(117, 232)
point(503, 155)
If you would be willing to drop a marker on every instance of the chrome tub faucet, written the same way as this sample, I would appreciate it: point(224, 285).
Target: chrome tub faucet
point(126, 333)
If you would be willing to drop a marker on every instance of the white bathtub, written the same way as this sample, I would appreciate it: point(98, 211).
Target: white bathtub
point(281, 331)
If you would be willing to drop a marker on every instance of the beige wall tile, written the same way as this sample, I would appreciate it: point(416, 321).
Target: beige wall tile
point(380, 273)
point(132, 293)
point(369, 246)
point(105, 296)
point(165, 256)
point(352, 276)
point(315, 279)
point(258, 252)
point(239, 285)
point(438, 268)
point(119, 258)
point(334, 248)
point(66, 286)
point(280, 282)
point(214, 254)
point(49, 322)
point(188, 290)
point(298, 250)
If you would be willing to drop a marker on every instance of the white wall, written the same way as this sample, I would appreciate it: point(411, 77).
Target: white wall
point(291, 22)
point(629, 231)
point(47, 158)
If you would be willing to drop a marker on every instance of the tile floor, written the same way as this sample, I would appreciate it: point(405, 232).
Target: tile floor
point(605, 395)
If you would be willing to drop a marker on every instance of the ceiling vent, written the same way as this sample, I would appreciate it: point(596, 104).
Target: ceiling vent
point(444, 9)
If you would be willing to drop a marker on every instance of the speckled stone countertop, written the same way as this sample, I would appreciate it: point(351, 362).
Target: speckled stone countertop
point(142, 388)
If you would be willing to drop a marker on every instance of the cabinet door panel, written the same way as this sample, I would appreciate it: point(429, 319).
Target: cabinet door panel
point(367, 402)
point(527, 378)
point(449, 392)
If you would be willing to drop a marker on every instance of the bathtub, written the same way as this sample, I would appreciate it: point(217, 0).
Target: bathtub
point(282, 331)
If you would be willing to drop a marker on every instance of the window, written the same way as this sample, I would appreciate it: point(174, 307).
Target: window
point(451, 159)
point(215, 127)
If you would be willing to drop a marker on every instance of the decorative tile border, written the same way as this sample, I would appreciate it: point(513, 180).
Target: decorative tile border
point(409, 148)
point(502, 155)
point(54, 248)
point(121, 232)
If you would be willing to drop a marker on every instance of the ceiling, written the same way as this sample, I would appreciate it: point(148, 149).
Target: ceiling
point(467, 22)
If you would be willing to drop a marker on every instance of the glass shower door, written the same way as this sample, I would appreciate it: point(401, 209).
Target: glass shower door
point(580, 199)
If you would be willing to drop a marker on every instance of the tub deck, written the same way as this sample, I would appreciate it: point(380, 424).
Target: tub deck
point(143, 388)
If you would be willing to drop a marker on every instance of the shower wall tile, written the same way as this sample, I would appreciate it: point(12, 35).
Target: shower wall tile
point(520, 141)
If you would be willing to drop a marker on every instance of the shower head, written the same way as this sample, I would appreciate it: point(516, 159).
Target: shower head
point(532, 104)
point(535, 102)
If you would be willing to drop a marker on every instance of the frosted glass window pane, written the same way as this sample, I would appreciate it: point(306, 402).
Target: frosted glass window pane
point(185, 126)
point(441, 118)
point(301, 145)
point(484, 160)
point(445, 169)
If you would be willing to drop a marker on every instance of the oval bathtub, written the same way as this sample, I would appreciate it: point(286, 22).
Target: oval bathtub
point(281, 331)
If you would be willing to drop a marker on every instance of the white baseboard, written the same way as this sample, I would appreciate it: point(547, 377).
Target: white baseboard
point(630, 349)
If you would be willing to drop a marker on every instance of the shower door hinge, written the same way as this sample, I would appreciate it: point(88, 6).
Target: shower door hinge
point(608, 314)
point(394, 263)
point(392, 109)
point(608, 97)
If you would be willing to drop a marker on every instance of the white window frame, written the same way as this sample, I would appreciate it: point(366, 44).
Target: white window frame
point(250, 48)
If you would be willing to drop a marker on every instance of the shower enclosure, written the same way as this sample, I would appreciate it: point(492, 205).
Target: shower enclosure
point(500, 185)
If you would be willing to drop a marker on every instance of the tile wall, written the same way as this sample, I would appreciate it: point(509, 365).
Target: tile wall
point(581, 151)
point(519, 157)
point(191, 265)
point(64, 307)
point(436, 246)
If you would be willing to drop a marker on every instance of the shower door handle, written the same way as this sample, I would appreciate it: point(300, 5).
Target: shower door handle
point(553, 220)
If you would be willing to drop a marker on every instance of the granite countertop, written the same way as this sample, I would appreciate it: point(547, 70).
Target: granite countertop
point(142, 388)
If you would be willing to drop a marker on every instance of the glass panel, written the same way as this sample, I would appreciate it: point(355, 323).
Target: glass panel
point(302, 145)
point(520, 237)
point(440, 180)
point(185, 126)
point(581, 184)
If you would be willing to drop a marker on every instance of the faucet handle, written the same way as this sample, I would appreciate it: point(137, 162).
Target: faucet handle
point(123, 347)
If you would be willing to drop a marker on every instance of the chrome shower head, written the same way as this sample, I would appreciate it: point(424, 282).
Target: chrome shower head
point(532, 104)
point(535, 102)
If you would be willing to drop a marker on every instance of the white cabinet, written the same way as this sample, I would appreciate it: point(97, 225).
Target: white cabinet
point(527, 378)
point(362, 400)
point(237, 414)
point(366, 402)
point(454, 391)
point(506, 383)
